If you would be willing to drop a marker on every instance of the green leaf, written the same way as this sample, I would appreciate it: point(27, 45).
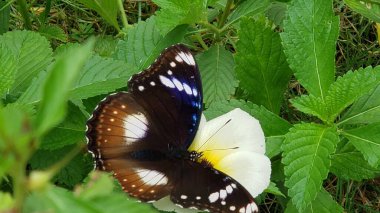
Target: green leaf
point(72, 174)
point(365, 110)
point(366, 139)
point(97, 196)
point(53, 32)
point(273, 189)
point(7, 69)
point(247, 8)
point(369, 9)
point(57, 85)
point(174, 13)
point(57, 200)
point(15, 132)
point(33, 54)
point(310, 104)
point(216, 66)
point(5, 13)
point(273, 145)
point(106, 8)
point(276, 12)
point(6, 200)
point(272, 124)
point(348, 88)
point(101, 76)
point(349, 164)
point(323, 203)
point(309, 37)
point(307, 149)
point(261, 65)
point(69, 132)
point(144, 43)
point(105, 45)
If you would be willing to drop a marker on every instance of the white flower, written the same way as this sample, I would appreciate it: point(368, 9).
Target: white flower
point(234, 144)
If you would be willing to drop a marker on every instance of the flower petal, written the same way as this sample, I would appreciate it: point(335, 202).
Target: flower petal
point(251, 170)
point(229, 133)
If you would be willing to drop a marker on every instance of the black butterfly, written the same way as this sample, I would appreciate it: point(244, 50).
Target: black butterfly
point(142, 136)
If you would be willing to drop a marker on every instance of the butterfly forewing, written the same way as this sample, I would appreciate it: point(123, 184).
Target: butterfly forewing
point(171, 92)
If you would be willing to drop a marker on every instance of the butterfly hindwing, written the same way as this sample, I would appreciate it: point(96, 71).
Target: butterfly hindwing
point(204, 188)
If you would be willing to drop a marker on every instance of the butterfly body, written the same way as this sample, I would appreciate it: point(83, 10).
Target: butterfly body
point(143, 136)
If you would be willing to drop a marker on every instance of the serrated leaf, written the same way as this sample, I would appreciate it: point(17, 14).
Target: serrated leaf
point(72, 174)
point(306, 156)
point(273, 189)
point(98, 76)
point(57, 85)
point(7, 69)
point(33, 54)
point(53, 32)
point(106, 8)
point(100, 199)
point(366, 139)
point(261, 65)
point(57, 200)
point(348, 88)
point(69, 132)
point(310, 104)
point(272, 124)
point(369, 9)
point(105, 46)
point(101, 76)
point(273, 145)
point(276, 12)
point(144, 43)
point(365, 110)
point(247, 8)
point(216, 66)
point(174, 13)
point(348, 163)
point(309, 38)
point(323, 203)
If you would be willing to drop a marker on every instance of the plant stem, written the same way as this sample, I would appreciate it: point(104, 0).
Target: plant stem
point(46, 12)
point(123, 16)
point(378, 32)
point(225, 14)
point(139, 12)
point(25, 14)
point(54, 169)
point(201, 42)
point(19, 185)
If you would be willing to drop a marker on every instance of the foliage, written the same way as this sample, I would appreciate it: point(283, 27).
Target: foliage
point(320, 123)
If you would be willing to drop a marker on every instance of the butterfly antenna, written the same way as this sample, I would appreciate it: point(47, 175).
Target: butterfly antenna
point(221, 149)
point(214, 134)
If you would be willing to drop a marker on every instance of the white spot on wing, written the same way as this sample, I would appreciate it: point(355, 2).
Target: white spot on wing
point(183, 197)
point(177, 84)
point(178, 58)
point(166, 81)
point(152, 177)
point(135, 126)
point(229, 189)
point(232, 208)
point(170, 72)
point(223, 194)
point(141, 88)
point(172, 64)
point(254, 207)
point(187, 89)
point(213, 197)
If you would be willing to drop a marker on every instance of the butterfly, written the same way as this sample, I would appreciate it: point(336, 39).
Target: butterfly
point(143, 137)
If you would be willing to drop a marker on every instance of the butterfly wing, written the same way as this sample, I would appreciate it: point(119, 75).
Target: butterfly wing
point(205, 188)
point(130, 133)
point(170, 90)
